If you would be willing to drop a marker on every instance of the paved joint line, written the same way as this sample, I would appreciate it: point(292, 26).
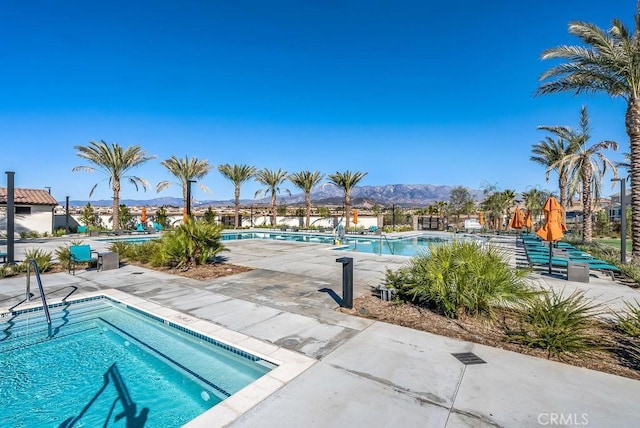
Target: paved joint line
point(455, 394)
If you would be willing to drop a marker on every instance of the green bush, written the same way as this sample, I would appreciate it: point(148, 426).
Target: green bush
point(191, 243)
point(9, 269)
point(122, 248)
point(144, 252)
point(628, 321)
point(463, 277)
point(557, 323)
point(42, 258)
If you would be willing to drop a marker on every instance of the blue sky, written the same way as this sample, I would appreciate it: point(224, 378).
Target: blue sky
point(411, 92)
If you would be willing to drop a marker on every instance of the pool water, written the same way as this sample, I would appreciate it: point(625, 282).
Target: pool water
point(376, 244)
point(132, 239)
point(410, 246)
point(101, 364)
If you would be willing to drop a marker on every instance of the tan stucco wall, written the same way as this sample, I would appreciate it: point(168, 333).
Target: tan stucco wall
point(40, 220)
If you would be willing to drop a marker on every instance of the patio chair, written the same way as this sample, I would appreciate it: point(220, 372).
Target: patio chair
point(80, 254)
point(82, 229)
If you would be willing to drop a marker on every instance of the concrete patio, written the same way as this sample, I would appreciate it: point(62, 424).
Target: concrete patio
point(366, 373)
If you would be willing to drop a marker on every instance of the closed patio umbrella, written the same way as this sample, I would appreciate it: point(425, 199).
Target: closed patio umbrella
point(143, 216)
point(527, 221)
point(481, 218)
point(355, 216)
point(184, 215)
point(517, 221)
point(552, 229)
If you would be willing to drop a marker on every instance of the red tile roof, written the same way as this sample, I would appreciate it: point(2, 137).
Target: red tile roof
point(28, 197)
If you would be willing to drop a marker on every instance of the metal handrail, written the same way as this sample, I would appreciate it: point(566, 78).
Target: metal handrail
point(36, 271)
point(388, 244)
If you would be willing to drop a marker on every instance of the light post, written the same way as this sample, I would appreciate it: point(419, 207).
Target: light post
point(189, 197)
point(393, 216)
point(11, 215)
point(623, 220)
point(66, 215)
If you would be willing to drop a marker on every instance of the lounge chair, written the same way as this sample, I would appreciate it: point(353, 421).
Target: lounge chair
point(80, 254)
point(82, 229)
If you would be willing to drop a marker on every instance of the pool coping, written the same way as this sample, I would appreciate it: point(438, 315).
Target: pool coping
point(289, 364)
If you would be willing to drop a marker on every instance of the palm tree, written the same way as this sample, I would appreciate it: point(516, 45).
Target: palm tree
point(534, 200)
point(306, 181)
point(185, 170)
point(441, 207)
point(238, 175)
point(506, 200)
point(607, 64)
point(272, 179)
point(586, 167)
point(549, 152)
point(626, 164)
point(346, 181)
point(114, 161)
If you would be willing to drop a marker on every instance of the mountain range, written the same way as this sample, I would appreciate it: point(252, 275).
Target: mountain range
point(402, 195)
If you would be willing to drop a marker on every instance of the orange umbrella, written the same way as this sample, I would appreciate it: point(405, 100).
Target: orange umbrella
point(355, 216)
point(184, 215)
point(517, 221)
point(143, 216)
point(481, 218)
point(527, 220)
point(552, 229)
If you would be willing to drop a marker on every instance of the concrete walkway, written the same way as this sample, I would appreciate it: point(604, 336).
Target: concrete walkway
point(368, 373)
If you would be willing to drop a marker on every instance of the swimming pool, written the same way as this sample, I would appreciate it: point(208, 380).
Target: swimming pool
point(376, 244)
point(132, 239)
point(102, 361)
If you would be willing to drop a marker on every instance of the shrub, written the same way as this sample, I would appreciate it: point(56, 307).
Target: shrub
point(190, 243)
point(42, 258)
point(463, 277)
point(557, 323)
point(9, 269)
point(122, 248)
point(628, 321)
point(144, 252)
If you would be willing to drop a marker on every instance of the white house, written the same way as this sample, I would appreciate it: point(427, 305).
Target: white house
point(33, 210)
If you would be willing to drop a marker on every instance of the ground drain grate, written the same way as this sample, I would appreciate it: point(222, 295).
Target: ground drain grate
point(468, 358)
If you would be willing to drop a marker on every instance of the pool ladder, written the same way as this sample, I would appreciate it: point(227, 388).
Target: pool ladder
point(388, 244)
point(36, 271)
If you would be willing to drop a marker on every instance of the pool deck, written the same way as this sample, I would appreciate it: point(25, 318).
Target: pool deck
point(366, 373)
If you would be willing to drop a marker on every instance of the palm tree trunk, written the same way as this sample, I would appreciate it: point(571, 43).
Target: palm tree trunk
point(632, 123)
point(116, 204)
point(184, 197)
point(587, 224)
point(273, 209)
point(237, 207)
point(347, 202)
point(562, 186)
point(307, 201)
